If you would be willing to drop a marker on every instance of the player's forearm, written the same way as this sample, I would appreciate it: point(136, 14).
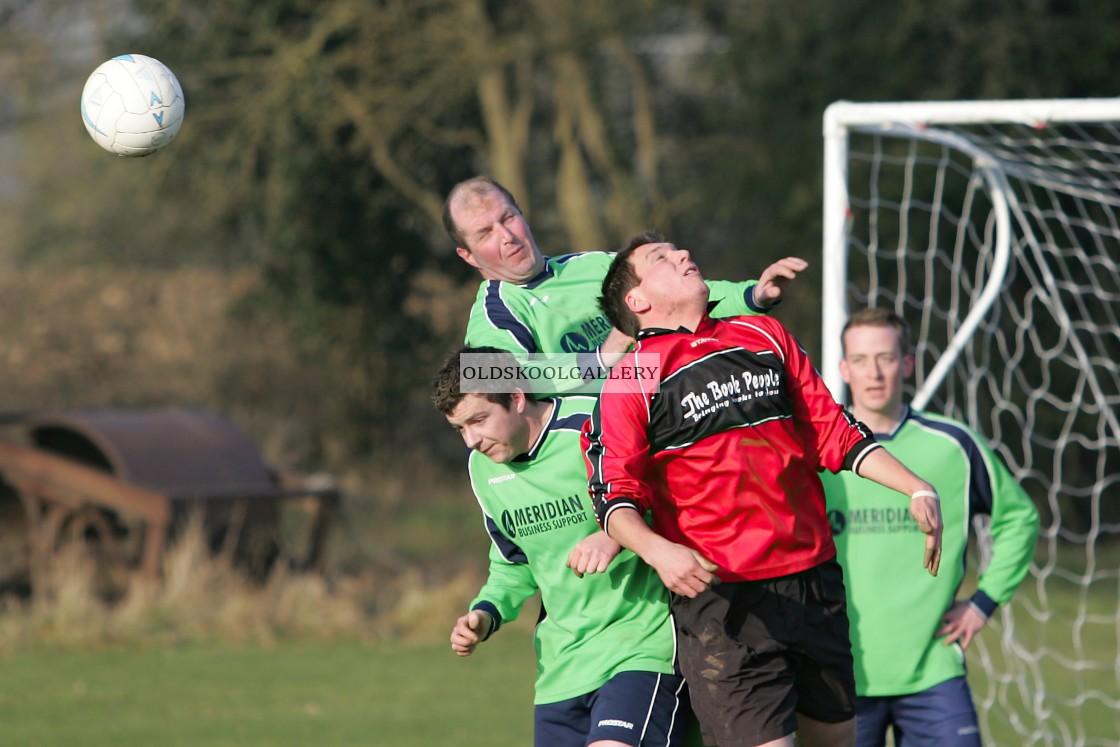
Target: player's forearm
point(1014, 531)
point(508, 587)
point(627, 527)
point(881, 467)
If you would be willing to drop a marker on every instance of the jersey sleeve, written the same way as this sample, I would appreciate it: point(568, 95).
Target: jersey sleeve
point(493, 322)
point(616, 446)
point(827, 430)
point(734, 299)
point(510, 582)
point(1014, 530)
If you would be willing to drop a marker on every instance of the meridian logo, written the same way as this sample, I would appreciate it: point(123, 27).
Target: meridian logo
point(591, 333)
point(544, 517)
point(879, 520)
point(574, 342)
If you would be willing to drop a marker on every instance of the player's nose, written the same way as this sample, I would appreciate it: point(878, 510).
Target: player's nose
point(504, 232)
point(470, 439)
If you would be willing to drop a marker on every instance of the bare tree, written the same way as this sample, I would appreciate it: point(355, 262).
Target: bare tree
point(545, 96)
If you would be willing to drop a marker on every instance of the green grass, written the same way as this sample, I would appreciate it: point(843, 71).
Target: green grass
point(385, 694)
point(74, 674)
point(297, 694)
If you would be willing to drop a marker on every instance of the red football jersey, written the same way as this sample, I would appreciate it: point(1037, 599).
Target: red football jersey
point(724, 446)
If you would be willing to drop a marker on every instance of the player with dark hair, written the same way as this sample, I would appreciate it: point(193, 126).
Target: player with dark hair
point(606, 649)
point(723, 449)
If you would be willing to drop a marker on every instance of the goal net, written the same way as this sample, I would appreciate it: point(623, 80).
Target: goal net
point(993, 227)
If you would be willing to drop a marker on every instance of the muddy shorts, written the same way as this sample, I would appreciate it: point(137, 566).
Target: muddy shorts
point(756, 653)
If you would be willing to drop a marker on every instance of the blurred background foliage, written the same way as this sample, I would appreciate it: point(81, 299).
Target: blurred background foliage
point(283, 261)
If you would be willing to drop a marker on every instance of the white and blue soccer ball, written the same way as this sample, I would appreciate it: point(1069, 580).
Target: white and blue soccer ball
point(132, 105)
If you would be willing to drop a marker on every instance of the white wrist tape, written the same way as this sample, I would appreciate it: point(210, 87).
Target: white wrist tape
point(925, 494)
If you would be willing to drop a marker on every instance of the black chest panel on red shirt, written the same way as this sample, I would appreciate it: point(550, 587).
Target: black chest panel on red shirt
point(727, 389)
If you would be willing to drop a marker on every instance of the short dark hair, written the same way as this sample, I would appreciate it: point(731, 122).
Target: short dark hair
point(446, 389)
point(478, 186)
point(876, 317)
point(620, 279)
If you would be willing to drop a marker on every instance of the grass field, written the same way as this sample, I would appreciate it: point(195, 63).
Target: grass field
point(297, 694)
point(327, 694)
point(208, 662)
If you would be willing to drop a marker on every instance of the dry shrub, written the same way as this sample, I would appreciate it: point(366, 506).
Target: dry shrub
point(65, 609)
point(426, 609)
point(202, 597)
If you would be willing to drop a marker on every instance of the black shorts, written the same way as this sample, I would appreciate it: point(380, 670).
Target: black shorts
point(756, 653)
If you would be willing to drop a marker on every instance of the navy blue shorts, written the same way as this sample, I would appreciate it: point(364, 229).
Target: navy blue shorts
point(757, 653)
point(641, 709)
point(942, 716)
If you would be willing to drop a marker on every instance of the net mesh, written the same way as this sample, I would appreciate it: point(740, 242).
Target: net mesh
point(1039, 376)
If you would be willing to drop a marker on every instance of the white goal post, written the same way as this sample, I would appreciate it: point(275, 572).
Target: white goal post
point(993, 227)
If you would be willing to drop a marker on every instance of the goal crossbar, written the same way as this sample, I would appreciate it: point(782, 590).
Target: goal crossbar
point(914, 119)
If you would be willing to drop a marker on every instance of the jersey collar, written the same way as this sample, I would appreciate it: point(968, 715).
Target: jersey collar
point(906, 412)
point(705, 324)
point(536, 447)
point(541, 276)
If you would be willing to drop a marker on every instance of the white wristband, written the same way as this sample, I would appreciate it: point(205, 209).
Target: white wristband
point(925, 494)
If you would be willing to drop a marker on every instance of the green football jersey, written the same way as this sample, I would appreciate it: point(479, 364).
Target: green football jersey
point(536, 509)
point(895, 606)
point(557, 314)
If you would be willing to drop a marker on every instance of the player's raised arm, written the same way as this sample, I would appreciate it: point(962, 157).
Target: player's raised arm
point(774, 280)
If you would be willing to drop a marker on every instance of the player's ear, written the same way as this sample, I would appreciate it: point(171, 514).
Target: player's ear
point(636, 301)
point(518, 400)
point(466, 256)
point(844, 373)
point(907, 365)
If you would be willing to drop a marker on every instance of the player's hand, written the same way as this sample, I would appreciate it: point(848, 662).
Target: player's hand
point(960, 623)
point(614, 347)
point(683, 570)
point(775, 278)
point(926, 510)
point(593, 554)
point(469, 631)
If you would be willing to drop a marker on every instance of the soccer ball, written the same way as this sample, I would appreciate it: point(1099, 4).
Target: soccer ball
point(132, 105)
